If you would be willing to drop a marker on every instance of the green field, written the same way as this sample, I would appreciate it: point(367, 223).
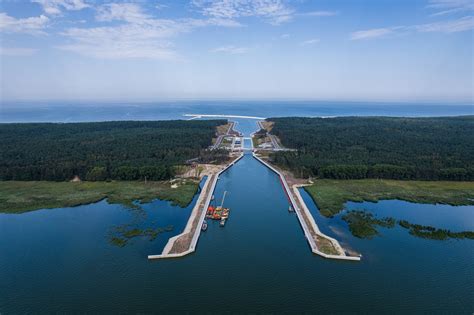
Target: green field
point(331, 195)
point(19, 196)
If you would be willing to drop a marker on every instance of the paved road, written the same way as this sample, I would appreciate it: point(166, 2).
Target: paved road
point(221, 137)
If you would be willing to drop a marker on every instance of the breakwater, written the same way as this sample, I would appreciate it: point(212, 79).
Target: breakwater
point(320, 243)
point(185, 243)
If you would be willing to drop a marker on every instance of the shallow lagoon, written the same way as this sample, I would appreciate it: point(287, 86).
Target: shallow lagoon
point(61, 261)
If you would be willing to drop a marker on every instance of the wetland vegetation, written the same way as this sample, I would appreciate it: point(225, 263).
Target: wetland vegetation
point(430, 232)
point(331, 195)
point(121, 235)
point(364, 224)
point(23, 196)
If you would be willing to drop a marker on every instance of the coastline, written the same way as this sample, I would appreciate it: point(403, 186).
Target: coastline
point(185, 243)
point(317, 240)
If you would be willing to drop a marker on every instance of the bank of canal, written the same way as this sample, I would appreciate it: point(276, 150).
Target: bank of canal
point(60, 261)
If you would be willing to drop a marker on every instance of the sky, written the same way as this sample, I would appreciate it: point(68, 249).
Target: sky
point(360, 50)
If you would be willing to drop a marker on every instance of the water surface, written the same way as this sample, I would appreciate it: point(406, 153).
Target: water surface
point(60, 260)
point(68, 111)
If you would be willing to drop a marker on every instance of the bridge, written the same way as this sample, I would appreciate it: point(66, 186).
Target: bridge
point(197, 116)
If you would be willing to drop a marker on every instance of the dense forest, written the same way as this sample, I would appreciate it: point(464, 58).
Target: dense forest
point(377, 147)
point(122, 150)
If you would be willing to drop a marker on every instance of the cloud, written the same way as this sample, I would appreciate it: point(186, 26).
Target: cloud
point(371, 34)
point(16, 51)
point(161, 6)
point(129, 12)
point(145, 40)
point(233, 50)
point(310, 42)
point(453, 26)
point(320, 13)
point(31, 25)
point(54, 7)
point(460, 25)
point(139, 35)
point(445, 7)
point(273, 11)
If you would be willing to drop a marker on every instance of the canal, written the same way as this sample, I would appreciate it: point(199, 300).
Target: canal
point(60, 260)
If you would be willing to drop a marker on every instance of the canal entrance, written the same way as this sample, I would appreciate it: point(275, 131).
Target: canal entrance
point(59, 261)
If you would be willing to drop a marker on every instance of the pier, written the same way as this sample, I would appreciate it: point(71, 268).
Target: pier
point(185, 243)
point(318, 241)
point(197, 116)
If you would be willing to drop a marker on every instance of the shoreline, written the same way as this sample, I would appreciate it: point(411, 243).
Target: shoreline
point(316, 239)
point(185, 243)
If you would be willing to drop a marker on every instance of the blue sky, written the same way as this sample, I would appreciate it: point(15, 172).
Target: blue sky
point(405, 50)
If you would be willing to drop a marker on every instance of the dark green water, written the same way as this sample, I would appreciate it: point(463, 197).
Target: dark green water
point(60, 261)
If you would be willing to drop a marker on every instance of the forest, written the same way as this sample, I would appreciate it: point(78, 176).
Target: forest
point(440, 148)
point(97, 151)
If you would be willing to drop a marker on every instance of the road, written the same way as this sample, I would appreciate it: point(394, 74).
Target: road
point(221, 137)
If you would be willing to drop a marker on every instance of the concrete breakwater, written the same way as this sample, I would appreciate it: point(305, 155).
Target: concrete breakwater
point(316, 239)
point(185, 243)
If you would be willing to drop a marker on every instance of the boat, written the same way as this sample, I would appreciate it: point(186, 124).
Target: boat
point(290, 209)
point(219, 212)
point(204, 226)
point(210, 211)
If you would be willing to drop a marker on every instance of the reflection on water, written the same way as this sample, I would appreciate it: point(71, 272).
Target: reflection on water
point(60, 261)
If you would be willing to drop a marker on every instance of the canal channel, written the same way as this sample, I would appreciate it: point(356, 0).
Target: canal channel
point(59, 260)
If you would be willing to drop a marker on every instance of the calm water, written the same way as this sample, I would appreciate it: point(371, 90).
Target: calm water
point(60, 260)
point(90, 111)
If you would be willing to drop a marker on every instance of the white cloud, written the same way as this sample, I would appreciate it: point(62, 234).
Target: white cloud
point(460, 25)
point(31, 25)
point(161, 6)
point(453, 26)
point(371, 34)
point(233, 50)
point(146, 40)
point(310, 42)
point(129, 12)
point(54, 7)
point(273, 11)
point(444, 7)
point(320, 13)
point(16, 51)
point(139, 36)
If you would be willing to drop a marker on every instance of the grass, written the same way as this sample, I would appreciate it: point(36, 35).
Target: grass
point(122, 235)
point(19, 196)
point(364, 224)
point(426, 231)
point(222, 129)
point(325, 246)
point(331, 195)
